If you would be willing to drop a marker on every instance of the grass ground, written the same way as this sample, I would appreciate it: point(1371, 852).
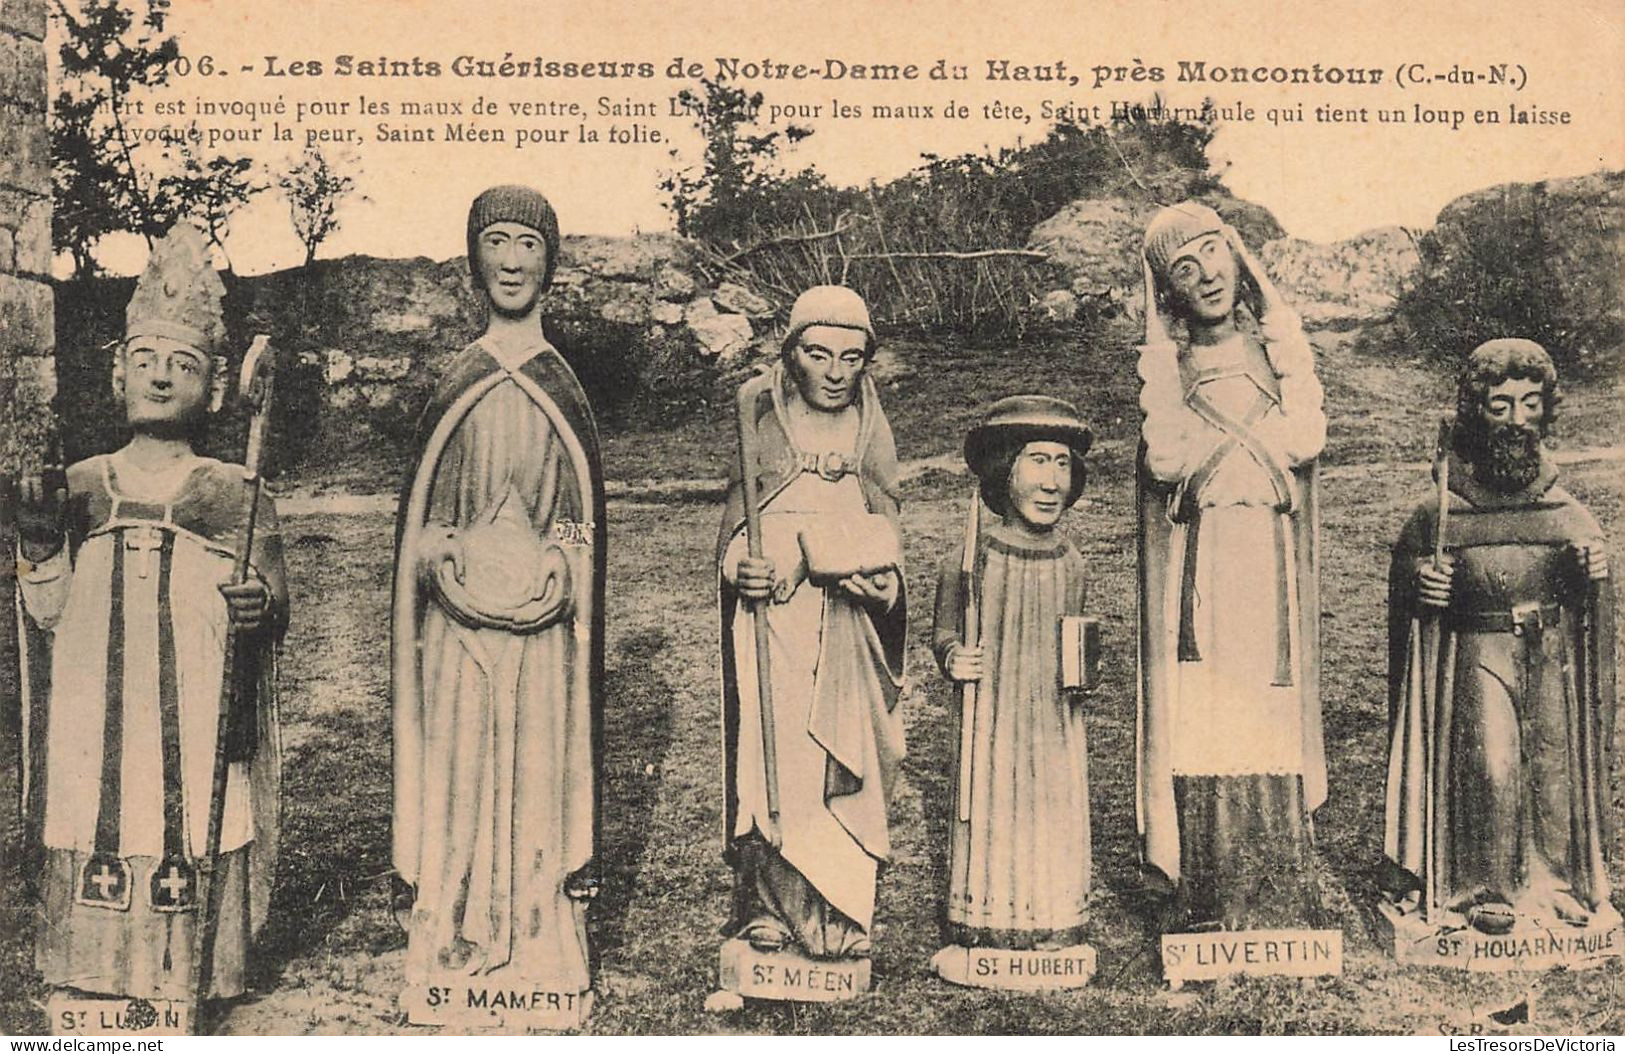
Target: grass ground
point(332, 958)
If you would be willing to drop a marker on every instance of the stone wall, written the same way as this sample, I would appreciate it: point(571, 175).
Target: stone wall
point(378, 325)
point(372, 325)
point(363, 340)
point(27, 333)
point(27, 330)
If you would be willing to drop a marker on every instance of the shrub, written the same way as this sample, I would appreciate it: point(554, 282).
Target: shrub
point(1542, 261)
point(625, 371)
point(939, 247)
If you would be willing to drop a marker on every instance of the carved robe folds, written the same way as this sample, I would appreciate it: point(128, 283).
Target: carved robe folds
point(1517, 680)
point(836, 668)
point(122, 720)
point(1230, 756)
point(1019, 867)
point(497, 671)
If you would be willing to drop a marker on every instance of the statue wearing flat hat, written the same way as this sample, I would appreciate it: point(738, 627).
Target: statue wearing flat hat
point(1012, 637)
point(498, 654)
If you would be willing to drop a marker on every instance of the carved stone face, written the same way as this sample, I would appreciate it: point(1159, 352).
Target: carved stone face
point(1203, 278)
point(1504, 443)
point(1039, 481)
point(827, 364)
point(513, 262)
point(1515, 401)
point(166, 382)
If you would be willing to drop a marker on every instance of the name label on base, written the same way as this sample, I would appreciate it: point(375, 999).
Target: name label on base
point(456, 1002)
point(82, 1016)
point(1527, 947)
point(1009, 968)
point(1289, 953)
point(790, 976)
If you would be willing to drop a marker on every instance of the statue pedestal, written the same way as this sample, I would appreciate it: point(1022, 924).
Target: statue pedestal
point(82, 1015)
point(1007, 968)
point(789, 975)
point(460, 1002)
point(1255, 953)
point(1529, 946)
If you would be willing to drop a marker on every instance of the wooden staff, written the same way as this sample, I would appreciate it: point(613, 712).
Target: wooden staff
point(973, 633)
point(1589, 735)
point(257, 380)
point(1441, 680)
point(764, 674)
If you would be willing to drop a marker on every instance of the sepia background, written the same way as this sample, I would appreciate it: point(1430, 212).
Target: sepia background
point(1000, 256)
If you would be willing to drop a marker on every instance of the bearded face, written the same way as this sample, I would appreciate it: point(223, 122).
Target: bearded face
point(1508, 458)
point(1502, 441)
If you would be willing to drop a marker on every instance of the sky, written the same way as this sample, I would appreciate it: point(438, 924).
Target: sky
point(1324, 181)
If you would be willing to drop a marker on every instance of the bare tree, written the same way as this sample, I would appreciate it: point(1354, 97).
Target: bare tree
point(211, 192)
point(315, 187)
point(108, 51)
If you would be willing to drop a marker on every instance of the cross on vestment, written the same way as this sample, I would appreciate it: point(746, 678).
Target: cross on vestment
point(146, 541)
point(106, 881)
point(174, 883)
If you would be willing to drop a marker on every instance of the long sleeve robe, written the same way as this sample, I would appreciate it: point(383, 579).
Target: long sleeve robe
point(124, 762)
point(1231, 761)
point(837, 671)
point(1019, 868)
point(1522, 722)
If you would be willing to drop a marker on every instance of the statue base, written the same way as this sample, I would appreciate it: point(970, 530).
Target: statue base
point(1255, 953)
point(1529, 945)
point(789, 975)
point(457, 1002)
point(71, 1014)
point(1012, 969)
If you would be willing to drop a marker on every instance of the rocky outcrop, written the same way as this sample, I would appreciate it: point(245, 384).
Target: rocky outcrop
point(1343, 284)
point(1094, 250)
point(1546, 259)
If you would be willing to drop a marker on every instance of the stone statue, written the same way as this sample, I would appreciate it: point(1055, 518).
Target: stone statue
point(1010, 634)
point(1231, 764)
point(814, 619)
point(1501, 690)
point(156, 745)
point(498, 653)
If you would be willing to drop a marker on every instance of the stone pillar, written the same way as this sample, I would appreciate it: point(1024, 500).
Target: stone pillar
point(27, 338)
point(27, 331)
